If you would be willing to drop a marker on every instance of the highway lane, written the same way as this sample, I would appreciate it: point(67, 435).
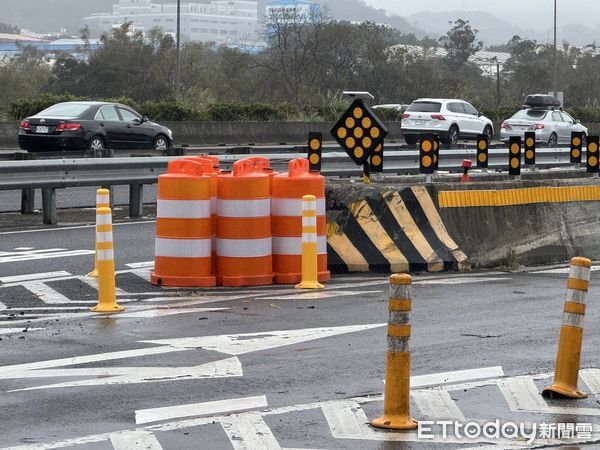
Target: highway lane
point(302, 388)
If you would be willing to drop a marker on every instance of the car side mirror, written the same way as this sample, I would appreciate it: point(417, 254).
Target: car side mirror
point(137, 121)
point(577, 121)
point(145, 119)
point(479, 114)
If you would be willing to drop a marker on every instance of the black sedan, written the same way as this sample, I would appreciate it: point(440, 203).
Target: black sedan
point(91, 126)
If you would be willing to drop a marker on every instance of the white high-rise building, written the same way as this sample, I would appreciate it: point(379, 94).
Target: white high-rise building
point(219, 21)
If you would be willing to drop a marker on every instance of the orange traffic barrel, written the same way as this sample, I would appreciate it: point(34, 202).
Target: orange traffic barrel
point(183, 227)
point(286, 221)
point(210, 167)
point(244, 255)
point(263, 165)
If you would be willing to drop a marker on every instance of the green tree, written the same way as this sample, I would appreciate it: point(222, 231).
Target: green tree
point(461, 42)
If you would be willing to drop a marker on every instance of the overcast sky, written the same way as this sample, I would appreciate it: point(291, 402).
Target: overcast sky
point(569, 11)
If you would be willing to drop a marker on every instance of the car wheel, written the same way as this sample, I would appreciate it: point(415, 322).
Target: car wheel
point(489, 134)
point(161, 143)
point(452, 138)
point(553, 140)
point(410, 140)
point(96, 144)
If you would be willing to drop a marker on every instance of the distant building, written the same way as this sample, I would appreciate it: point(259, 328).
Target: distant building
point(488, 62)
point(219, 21)
point(296, 10)
point(12, 44)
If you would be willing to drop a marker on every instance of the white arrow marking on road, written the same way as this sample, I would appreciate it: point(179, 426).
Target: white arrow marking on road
point(229, 367)
point(233, 344)
point(238, 344)
point(199, 409)
point(134, 440)
point(162, 312)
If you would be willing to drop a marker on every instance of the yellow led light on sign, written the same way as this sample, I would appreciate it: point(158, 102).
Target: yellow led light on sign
point(593, 161)
point(515, 148)
point(529, 142)
point(376, 160)
point(482, 157)
point(314, 158)
point(358, 112)
point(367, 142)
point(593, 147)
point(426, 146)
point(575, 153)
point(350, 142)
point(358, 133)
point(514, 163)
point(358, 152)
point(342, 133)
point(375, 132)
point(315, 144)
point(529, 154)
point(350, 122)
point(366, 123)
point(576, 142)
point(426, 161)
point(482, 145)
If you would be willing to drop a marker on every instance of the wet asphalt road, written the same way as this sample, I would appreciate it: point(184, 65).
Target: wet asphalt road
point(460, 322)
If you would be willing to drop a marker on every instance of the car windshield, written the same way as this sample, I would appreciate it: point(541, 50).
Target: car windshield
point(64, 110)
point(530, 114)
point(425, 107)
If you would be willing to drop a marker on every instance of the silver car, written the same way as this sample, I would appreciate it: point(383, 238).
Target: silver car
point(552, 127)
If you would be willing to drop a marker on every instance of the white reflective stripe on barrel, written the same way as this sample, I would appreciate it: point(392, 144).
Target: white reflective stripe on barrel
point(103, 219)
point(244, 208)
point(102, 199)
point(293, 245)
point(105, 255)
point(182, 248)
point(104, 236)
point(292, 207)
point(183, 209)
point(309, 205)
point(309, 221)
point(244, 248)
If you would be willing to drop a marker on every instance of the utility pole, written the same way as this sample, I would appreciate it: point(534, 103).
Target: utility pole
point(498, 98)
point(555, 66)
point(178, 69)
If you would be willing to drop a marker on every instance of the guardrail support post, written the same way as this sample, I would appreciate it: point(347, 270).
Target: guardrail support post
point(136, 200)
point(27, 201)
point(49, 206)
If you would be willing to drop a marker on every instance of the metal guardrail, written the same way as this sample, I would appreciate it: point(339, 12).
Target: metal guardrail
point(50, 175)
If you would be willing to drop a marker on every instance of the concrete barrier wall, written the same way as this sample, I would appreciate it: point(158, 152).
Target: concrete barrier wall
point(501, 224)
point(215, 133)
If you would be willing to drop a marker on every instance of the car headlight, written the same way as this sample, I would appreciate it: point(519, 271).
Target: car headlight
point(170, 132)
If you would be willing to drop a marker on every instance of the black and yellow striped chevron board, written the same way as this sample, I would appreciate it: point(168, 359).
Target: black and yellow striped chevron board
point(393, 231)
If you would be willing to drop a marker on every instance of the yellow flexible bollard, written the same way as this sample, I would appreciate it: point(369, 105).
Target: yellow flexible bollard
point(102, 201)
point(309, 244)
point(107, 299)
point(396, 400)
point(571, 333)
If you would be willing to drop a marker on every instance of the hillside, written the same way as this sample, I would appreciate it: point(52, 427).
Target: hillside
point(51, 15)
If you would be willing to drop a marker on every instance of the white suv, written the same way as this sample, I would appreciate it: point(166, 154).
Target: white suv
point(450, 119)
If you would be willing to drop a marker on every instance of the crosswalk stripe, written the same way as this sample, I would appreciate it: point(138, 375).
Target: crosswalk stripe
point(45, 293)
point(591, 377)
point(522, 394)
point(33, 276)
point(134, 440)
point(249, 433)
point(437, 404)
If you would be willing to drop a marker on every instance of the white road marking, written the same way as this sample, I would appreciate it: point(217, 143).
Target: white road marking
point(141, 265)
point(461, 280)
point(45, 293)
point(37, 255)
point(560, 270)
point(249, 432)
point(199, 409)
point(591, 377)
point(316, 295)
point(93, 283)
point(229, 367)
point(437, 404)
point(23, 248)
point(238, 344)
point(134, 440)
point(163, 312)
point(522, 395)
point(78, 227)
point(456, 376)
point(34, 276)
point(144, 274)
point(18, 330)
point(234, 344)
point(346, 416)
